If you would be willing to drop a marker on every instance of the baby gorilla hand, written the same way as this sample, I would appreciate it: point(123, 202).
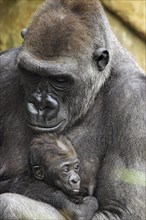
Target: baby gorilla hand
point(87, 209)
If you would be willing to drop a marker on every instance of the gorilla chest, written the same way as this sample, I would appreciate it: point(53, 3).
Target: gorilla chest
point(89, 175)
point(89, 172)
point(90, 156)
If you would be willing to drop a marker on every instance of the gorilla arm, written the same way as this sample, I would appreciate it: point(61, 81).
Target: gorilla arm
point(121, 183)
point(14, 206)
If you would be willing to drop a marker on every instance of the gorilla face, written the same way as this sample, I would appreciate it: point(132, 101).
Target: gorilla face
point(62, 70)
point(67, 176)
point(57, 92)
point(47, 93)
point(53, 159)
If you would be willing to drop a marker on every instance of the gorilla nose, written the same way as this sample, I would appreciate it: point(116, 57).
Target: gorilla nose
point(74, 181)
point(43, 105)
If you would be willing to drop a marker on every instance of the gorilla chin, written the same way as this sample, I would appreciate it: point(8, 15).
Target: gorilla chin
point(57, 128)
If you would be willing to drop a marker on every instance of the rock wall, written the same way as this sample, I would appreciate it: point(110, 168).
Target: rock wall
point(14, 16)
point(132, 12)
point(129, 39)
point(128, 22)
point(127, 18)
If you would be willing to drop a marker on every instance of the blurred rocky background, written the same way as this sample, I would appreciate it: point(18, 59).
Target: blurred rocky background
point(127, 18)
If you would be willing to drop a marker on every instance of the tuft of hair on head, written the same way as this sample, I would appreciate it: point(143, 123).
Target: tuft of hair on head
point(51, 144)
point(78, 7)
point(65, 145)
point(56, 28)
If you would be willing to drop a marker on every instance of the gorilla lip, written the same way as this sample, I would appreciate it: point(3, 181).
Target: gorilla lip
point(76, 190)
point(39, 128)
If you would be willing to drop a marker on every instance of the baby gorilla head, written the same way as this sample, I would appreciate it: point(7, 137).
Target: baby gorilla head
point(54, 160)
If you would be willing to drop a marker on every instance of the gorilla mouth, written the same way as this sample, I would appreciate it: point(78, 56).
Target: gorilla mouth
point(72, 191)
point(76, 190)
point(46, 129)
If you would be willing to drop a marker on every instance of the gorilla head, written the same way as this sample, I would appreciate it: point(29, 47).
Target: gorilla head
point(64, 55)
point(54, 160)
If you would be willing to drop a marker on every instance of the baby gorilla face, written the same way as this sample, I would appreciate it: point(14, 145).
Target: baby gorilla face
point(67, 176)
point(54, 160)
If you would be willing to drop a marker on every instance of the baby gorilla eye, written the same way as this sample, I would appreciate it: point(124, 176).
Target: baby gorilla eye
point(77, 168)
point(65, 169)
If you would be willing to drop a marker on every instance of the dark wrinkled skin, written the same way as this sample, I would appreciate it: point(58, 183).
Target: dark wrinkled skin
point(102, 109)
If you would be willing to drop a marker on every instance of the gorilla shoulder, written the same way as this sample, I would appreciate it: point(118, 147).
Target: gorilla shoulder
point(9, 78)
point(8, 64)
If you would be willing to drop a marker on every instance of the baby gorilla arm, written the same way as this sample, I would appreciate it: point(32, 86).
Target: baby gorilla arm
point(38, 190)
point(56, 198)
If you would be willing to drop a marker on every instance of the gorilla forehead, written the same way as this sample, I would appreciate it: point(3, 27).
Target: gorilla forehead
point(64, 26)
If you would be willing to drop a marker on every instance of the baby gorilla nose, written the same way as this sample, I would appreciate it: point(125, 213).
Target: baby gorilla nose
point(74, 182)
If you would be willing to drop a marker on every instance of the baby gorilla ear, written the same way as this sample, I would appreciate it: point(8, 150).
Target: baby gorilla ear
point(38, 172)
point(101, 56)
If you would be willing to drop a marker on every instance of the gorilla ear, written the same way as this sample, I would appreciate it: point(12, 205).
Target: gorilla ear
point(101, 56)
point(38, 172)
point(23, 33)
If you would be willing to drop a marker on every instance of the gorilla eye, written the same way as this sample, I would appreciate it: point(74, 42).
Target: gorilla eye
point(60, 82)
point(77, 168)
point(34, 78)
point(65, 169)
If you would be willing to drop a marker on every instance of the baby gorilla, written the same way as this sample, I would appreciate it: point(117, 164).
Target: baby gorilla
point(53, 177)
point(54, 160)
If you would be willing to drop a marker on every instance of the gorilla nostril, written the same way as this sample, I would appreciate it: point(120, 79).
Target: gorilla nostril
point(49, 106)
point(45, 101)
point(74, 181)
point(52, 103)
point(31, 107)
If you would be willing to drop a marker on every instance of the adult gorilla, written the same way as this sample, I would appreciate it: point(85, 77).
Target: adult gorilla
point(71, 76)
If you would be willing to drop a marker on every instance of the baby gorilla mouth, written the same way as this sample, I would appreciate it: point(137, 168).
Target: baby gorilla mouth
point(76, 190)
point(72, 190)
